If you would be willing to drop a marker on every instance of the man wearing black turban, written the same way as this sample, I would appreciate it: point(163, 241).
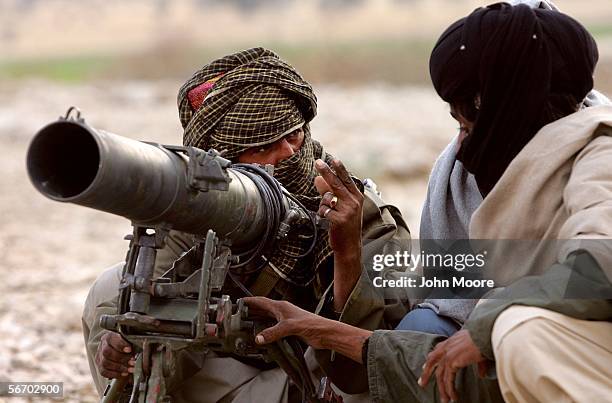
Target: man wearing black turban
point(511, 71)
point(255, 108)
point(515, 78)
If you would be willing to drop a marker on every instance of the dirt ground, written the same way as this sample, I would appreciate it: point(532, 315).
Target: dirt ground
point(50, 253)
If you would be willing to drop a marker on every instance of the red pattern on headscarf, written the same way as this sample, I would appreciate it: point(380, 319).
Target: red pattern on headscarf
point(197, 95)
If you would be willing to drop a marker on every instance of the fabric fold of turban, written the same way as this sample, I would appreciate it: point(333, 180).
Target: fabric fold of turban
point(519, 61)
point(244, 100)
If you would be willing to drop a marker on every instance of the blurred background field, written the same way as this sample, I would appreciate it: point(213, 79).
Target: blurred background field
point(340, 41)
point(122, 62)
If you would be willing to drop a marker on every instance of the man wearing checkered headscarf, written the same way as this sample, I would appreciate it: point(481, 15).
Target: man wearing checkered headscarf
point(250, 99)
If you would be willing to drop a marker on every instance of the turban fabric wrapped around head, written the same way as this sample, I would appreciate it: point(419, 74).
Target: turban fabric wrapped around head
point(244, 100)
point(249, 99)
point(525, 65)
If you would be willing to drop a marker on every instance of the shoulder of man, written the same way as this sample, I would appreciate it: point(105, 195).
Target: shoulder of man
point(381, 219)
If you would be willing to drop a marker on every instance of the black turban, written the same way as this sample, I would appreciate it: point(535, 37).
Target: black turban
point(519, 61)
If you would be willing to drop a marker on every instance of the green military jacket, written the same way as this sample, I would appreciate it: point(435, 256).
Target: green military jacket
point(395, 358)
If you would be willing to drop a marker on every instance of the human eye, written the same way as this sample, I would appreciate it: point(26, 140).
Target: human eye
point(295, 136)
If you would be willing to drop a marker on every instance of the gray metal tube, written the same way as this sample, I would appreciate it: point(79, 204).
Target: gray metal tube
point(69, 161)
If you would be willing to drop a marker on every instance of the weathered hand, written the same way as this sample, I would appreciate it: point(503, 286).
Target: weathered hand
point(292, 321)
point(316, 331)
point(447, 358)
point(342, 205)
point(114, 357)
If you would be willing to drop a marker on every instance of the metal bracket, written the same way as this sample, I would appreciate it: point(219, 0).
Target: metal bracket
point(207, 170)
point(111, 322)
point(183, 289)
point(221, 265)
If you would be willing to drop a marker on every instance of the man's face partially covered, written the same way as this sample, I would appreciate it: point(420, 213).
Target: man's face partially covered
point(256, 108)
point(275, 152)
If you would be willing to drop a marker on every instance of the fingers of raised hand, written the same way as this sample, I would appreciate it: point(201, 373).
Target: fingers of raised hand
point(340, 209)
point(344, 176)
point(336, 184)
point(328, 202)
point(327, 212)
point(329, 199)
point(321, 185)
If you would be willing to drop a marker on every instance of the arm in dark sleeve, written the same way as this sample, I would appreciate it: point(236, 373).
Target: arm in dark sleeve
point(395, 363)
point(363, 309)
point(367, 307)
point(577, 288)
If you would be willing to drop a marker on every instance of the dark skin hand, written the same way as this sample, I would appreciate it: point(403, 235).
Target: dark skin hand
point(447, 358)
point(316, 331)
point(114, 357)
point(344, 213)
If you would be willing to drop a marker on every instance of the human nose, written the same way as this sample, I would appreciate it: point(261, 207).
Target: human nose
point(284, 151)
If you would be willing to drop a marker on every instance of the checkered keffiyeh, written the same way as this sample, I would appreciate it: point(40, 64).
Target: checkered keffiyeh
point(249, 99)
point(244, 100)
